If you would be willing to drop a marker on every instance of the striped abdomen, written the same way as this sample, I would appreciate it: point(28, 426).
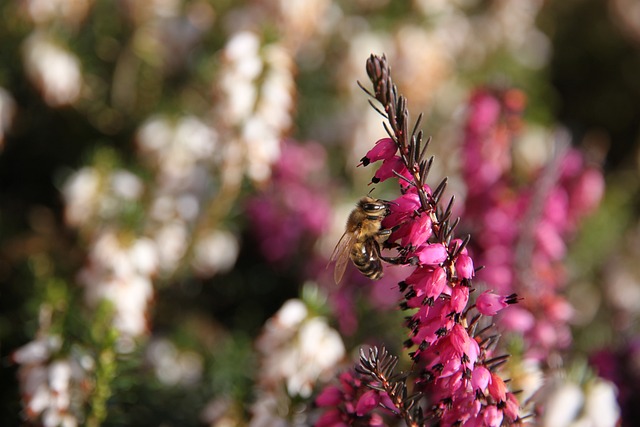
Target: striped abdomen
point(365, 256)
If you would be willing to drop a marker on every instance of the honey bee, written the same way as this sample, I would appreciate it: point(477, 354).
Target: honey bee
point(361, 240)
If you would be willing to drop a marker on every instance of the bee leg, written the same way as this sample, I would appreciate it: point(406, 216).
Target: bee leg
point(383, 235)
point(399, 260)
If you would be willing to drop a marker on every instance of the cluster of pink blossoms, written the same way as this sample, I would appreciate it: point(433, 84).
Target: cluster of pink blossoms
point(453, 378)
point(521, 224)
point(290, 213)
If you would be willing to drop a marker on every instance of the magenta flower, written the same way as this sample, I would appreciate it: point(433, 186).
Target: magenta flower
point(367, 402)
point(353, 401)
point(490, 304)
point(432, 254)
point(384, 149)
point(390, 167)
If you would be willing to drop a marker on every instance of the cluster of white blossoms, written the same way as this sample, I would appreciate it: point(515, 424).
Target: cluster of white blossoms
point(121, 267)
point(49, 383)
point(173, 366)
point(93, 196)
point(69, 12)
point(185, 155)
point(296, 350)
point(120, 270)
point(254, 115)
point(53, 69)
point(569, 404)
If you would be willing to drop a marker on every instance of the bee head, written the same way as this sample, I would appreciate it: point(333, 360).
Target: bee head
point(373, 207)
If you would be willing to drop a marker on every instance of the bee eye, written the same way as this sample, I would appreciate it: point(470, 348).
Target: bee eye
point(373, 207)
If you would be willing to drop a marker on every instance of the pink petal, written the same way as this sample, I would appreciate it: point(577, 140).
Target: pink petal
point(368, 401)
point(480, 378)
point(433, 254)
point(490, 304)
point(384, 149)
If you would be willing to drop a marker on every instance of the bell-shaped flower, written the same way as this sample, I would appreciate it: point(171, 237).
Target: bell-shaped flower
point(389, 169)
point(428, 282)
point(490, 304)
point(480, 378)
point(367, 402)
point(432, 254)
point(384, 149)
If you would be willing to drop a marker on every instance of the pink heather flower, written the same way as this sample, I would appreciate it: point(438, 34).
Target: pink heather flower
point(480, 378)
point(384, 149)
point(330, 396)
point(492, 416)
point(588, 191)
point(449, 350)
point(331, 418)
point(389, 166)
point(517, 319)
point(413, 232)
point(352, 400)
point(512, 407)
point(497, 388)
point(459, 298)
point(433, 254)
point(367, 402)
point(402, 209)
point(549, 241)
point(428, 282)
point(490, 304)
point(464, 266)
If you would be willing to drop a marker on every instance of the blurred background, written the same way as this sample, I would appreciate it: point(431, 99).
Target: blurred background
point(174, 175)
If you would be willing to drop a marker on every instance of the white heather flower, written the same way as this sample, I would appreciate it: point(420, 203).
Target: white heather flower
point(81, 193)
point(51, 68)
point(154, 135)
point(319, 350)
point(121, 274)
point(70, 11)
point(173, 366)
point(562, 405)
point(290, 315)
point(302, 19)
point(601, 406)
point(567, 404)
point(177, 149)
point(262, 148)
point(216, 252)
point(46, 387)
point(37, 351)
point(196, 137)
point(525, 376)
point(263, 131)
point(126, 185)
point(171, 241)
point(187, 207)
point(237, 80)
point(242, 52)
point(297, 350)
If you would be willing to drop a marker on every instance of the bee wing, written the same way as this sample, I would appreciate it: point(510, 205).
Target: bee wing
point(341, 255)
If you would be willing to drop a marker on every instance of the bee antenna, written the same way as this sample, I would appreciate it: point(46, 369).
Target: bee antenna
point(371, 191)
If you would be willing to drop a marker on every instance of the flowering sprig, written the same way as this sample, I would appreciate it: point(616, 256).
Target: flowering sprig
point(454, 372)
